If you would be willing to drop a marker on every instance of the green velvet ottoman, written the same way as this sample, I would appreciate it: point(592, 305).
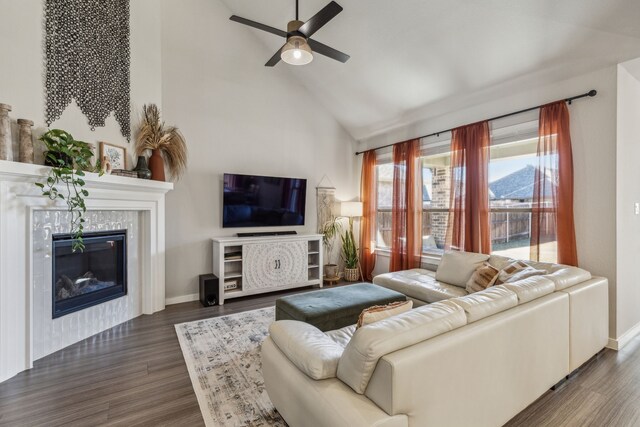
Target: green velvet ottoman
point(329, 309)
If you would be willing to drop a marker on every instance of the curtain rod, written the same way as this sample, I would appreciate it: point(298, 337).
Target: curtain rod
point(591, 93)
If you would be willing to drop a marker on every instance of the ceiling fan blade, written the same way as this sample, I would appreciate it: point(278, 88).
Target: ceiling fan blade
point(318, 20)
point(259, 26)
point(274, 59)
point(325, 50)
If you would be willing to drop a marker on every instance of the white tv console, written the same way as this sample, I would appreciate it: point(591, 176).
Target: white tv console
point(265, 264)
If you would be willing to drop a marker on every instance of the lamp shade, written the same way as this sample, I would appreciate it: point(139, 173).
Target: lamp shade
point(296, 51)
point(351, 209)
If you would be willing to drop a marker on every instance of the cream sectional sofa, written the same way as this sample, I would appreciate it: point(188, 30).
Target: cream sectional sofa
point(461, 360)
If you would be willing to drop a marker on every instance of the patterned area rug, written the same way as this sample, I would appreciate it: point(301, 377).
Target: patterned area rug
point(223, 358)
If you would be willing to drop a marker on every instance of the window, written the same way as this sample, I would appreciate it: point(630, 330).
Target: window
point(512, 169)
point(435, 203)
point(384, 175)
point(436, 188)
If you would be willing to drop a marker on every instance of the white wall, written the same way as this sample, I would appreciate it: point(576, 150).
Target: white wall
point(237, 116)
point(22, 82)
point(628, 193)
point(593, 132)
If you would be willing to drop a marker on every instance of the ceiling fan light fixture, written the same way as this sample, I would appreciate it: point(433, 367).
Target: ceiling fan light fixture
point(296, 51)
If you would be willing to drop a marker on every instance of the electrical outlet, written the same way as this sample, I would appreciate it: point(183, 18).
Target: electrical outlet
point(637, 208)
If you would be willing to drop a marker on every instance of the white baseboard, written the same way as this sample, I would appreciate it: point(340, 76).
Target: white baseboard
point(624, 339)
point(181, 299)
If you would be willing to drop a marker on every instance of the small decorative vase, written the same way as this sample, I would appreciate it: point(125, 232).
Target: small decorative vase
point(142, 169)
point(26, 141)
point(5, 133)
point(351, 274)
point(106, 165)
point(156, 164)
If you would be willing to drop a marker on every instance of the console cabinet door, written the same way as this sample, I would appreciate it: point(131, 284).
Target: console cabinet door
point(268, 265)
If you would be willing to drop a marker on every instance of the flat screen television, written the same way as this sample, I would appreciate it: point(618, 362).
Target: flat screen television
point(263, 201)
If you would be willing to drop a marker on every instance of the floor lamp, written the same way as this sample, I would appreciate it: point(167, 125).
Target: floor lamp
point(352, 210)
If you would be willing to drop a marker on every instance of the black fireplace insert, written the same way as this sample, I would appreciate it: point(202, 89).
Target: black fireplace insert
point(84, 279)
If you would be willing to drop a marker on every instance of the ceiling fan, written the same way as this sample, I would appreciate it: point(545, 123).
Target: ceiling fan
point(299, 48)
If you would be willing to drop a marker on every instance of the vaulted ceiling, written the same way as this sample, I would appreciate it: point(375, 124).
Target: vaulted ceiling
point(408, 54)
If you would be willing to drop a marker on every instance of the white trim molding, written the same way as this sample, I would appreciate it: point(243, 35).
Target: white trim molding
point(19, 197)
point(624, 339)
point(182, 298)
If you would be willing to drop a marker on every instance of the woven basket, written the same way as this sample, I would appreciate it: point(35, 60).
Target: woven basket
point(351, 274)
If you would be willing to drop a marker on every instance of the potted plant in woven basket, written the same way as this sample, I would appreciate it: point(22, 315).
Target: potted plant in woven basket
point(350, 257)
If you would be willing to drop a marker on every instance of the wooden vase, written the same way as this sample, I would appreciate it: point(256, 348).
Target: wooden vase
point(5, 133)
point(156, 164)
point(26, 141)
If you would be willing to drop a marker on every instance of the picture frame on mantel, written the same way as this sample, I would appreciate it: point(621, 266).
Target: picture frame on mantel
point(117, 155)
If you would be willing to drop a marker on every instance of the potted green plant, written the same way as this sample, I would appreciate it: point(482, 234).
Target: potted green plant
point(350, 257)
point(330, 230)
point(68, 158)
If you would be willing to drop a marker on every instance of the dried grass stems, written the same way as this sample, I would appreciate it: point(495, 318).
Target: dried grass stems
point(154, 135)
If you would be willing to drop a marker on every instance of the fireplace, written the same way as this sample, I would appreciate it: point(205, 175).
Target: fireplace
point(84, 279)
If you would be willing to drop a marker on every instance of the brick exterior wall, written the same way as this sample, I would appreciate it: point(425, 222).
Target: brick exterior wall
point(441, 189)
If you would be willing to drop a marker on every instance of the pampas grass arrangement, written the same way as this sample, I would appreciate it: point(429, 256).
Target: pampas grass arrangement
point(154, 135)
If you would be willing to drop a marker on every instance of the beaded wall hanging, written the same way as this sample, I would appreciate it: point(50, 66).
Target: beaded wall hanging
point(87, 59)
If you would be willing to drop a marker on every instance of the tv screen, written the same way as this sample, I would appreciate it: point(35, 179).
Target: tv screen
point(263, 201)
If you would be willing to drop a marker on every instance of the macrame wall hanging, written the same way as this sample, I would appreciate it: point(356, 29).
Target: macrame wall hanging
point(325, 201)
point(87, 59)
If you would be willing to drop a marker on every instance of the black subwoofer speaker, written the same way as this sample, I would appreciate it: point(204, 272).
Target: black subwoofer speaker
point(209, 290)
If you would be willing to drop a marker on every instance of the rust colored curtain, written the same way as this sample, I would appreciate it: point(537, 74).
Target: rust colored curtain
point(368, 222)
point(553, 235)
point(406, 210)
point(468, 227)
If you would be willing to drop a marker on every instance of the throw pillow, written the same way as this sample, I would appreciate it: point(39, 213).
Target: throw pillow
point(380, 312)
point(456, 268)
point(485, 276)
point(517, 270)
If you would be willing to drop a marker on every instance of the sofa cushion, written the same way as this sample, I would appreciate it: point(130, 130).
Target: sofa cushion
point(485, 303)
point(307, 347)
point(373, 341)
point(419, 284)
point(517, 270)
point(456, 268)
point(342, 336)
point(484, 277)
point(380, 312)
point(568, 276)
point(531, 288)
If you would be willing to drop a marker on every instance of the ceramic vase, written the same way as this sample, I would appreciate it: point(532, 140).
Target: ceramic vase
point(156, 164)
point(106, 165)
point(26, 140)
point(330, 271)
point(5, 133)
point(142, 169)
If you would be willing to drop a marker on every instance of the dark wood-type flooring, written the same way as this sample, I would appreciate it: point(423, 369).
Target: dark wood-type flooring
point(134, 374)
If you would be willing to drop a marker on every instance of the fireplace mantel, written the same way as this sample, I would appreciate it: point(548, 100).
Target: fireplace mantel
point(19, 198)
point(24, 172)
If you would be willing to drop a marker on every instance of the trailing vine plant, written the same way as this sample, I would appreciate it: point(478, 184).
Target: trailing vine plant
point(68, 159)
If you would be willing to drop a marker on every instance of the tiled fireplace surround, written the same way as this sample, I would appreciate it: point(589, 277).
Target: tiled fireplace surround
point(27, 220)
